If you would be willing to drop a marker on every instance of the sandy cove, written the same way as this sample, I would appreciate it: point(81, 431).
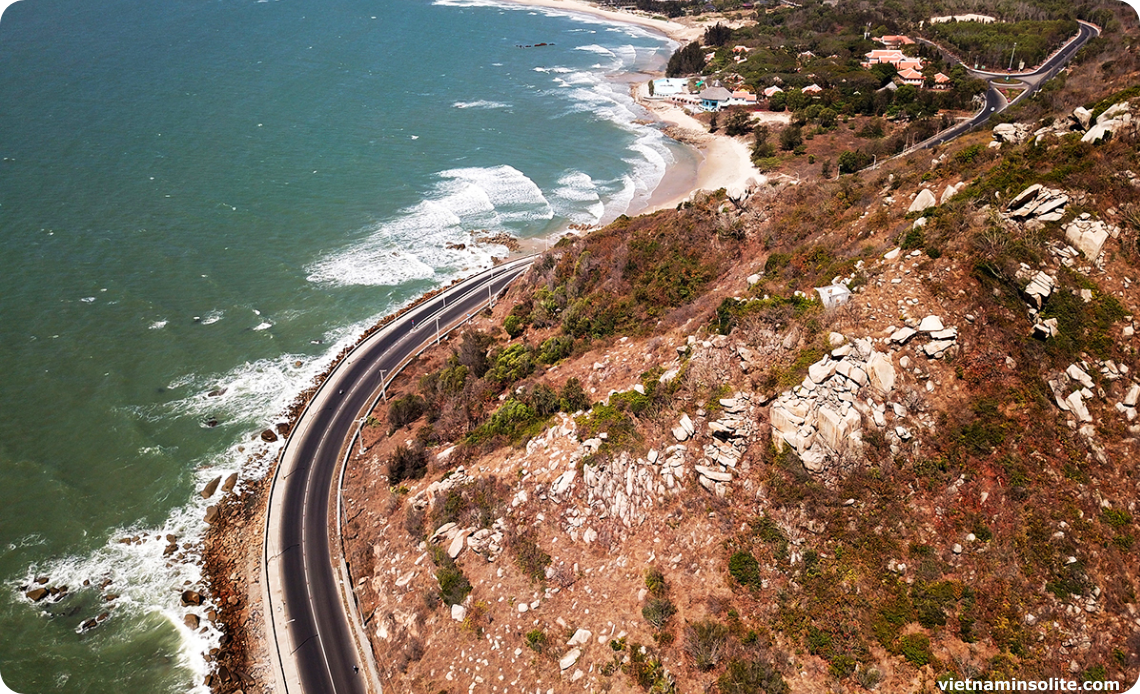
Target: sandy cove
point(725, 162)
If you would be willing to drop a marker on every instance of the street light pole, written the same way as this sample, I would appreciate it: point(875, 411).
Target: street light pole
point(437, 330)
point(1011, 57)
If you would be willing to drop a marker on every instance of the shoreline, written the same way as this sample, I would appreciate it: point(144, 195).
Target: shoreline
point(722, 161)
point(719, 162)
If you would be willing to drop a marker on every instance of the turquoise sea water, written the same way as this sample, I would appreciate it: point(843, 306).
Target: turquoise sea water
point(218, 195)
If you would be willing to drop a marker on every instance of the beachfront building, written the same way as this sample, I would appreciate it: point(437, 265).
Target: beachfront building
point(741, 97)
point(714, 98)
point(670, 86)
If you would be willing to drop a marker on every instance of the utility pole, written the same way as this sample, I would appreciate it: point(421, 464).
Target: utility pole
point(1011, 56)
point(383, 391)
point(437, 330)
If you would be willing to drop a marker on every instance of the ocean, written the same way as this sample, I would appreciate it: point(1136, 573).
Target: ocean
point(216, 197)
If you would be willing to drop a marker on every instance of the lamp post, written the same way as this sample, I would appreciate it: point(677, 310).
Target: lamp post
point(1011, 56)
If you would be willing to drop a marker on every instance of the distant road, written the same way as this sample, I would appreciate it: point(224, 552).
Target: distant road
point(1029, 81)
point(312, 637)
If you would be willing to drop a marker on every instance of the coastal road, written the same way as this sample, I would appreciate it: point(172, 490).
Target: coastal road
point(1029, 81)
point(318, 646)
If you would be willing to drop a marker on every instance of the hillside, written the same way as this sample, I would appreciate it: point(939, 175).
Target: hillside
point(662, 465)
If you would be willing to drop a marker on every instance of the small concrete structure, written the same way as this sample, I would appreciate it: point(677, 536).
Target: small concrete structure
point(833, 295)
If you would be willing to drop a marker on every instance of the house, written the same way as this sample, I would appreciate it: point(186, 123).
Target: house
point(911, 77)
point(713, 98)
point(812, 89)
point(741, 97)
point(881, 55)
point(941, 81)
point(909, 64)
point(894, 41)
point(772, 90)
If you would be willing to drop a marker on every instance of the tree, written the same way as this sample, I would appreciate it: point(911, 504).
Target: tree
point(713, 124)
point(717, 35)
point(686, 61)
point(737, 123)
point(827, 117)
point(761, 148)
point(778, 101)
point(790, 138)
point(850, 162)
point(651, 88)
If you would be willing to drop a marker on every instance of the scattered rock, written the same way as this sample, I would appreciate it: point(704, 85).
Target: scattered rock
point(211, 487)
point(567, 661)
point(36, 594)
point(191, 598)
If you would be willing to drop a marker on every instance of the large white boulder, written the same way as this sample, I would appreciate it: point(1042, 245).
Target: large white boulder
point(924, 200)
point(881, 372)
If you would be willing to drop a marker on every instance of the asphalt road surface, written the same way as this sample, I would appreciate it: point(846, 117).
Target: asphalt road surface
point(309, 627)
point(1029, 81)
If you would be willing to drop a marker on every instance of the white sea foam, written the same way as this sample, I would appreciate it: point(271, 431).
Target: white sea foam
point(482, 103)
point(88, 299)
point(212, 317)
point(576, 198)
point(595, 48)
point(264, 325)
point(146, 582)
point(158, 324)
point(435, 238)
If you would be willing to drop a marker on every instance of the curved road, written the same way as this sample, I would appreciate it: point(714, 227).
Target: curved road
point(1030, 81)
point(318, 647)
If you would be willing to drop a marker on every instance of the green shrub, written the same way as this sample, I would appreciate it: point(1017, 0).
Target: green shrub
point(658, 612)
point(619, 427)
point(745, 569)
point(913, 239)
point(536, 640)
point(514, 326)
point(1116, 518)
point(916, 649)
point(842, 666)
point(515, 420)
point(573, 397)
point(751, 677)
point(529, 557)
point(453, 585)
point(655, 582)
point(705, 642)
point(406, 464)
point(555, 349)
point(405, 410)
point(511, 364)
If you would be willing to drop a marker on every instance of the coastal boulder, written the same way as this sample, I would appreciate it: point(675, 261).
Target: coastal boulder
point(191, 598)
point(211, 487)
point(268, 436)
point(36, 594)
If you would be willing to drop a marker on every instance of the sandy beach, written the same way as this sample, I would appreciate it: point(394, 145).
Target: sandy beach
point(681, 33)
point(725, 162)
